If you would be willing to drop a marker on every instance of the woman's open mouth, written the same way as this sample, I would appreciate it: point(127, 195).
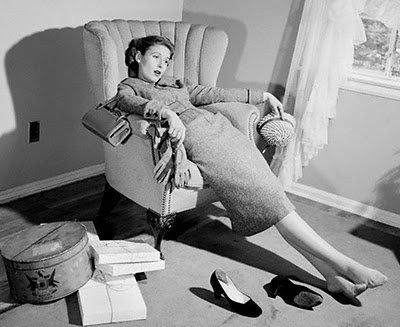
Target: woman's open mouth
point(157, 73)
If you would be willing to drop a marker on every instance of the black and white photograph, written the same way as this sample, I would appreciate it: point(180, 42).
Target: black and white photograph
point(189, 163)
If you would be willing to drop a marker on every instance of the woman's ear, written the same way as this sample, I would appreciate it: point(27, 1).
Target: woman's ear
point(138, 56)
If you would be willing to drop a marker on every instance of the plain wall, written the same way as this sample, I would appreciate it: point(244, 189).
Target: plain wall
point(261, 35)
point(44, 78)
point(361, 161)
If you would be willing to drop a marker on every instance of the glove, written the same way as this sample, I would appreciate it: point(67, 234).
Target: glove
point(182, 168)
point(157, 133)
point(163, 171)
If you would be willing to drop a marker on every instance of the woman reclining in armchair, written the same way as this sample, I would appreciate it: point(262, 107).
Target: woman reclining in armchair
point(232, 166)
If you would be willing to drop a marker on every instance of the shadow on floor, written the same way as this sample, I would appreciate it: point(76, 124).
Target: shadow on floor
point(215, 237)
point(201, 227)
point(380, 234)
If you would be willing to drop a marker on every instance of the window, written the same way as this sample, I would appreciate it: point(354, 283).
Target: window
point(380, 54)
point(376, 64)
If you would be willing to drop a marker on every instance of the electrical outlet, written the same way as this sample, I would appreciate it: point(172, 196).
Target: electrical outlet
point(34, 131)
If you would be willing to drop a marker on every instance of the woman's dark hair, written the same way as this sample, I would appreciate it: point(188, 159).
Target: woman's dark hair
point(142, 45)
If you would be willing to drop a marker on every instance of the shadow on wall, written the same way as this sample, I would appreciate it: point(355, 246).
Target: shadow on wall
point(47, 78)
point(234, 52)
point(238, 34)
point(282, 65)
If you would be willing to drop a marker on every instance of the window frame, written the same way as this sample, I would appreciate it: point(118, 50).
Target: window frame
point(373, 86)
point(368, 83)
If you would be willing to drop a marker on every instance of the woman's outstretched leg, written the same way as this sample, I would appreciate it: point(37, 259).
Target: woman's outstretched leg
point(333, 265)
point(334, 282)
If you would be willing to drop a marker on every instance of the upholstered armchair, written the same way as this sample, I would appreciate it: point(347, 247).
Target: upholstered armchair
point(129, 167)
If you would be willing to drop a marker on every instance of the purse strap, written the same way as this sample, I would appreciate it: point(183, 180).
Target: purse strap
point(110, 106)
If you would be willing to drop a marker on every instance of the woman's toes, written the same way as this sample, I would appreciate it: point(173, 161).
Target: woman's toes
point(363, 275)
point(377, 279)
point(357, 289)
point(339, 284)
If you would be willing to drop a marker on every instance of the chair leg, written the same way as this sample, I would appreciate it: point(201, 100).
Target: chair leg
point(102, 223)
point(159, 226)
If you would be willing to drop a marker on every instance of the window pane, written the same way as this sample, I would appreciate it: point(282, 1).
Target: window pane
point(396, 58)
point(371, 55)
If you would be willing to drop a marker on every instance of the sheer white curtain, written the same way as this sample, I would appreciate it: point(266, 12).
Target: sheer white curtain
point(321, 60)
point(386, 11)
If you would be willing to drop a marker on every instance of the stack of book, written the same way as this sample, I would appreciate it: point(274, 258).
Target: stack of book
point(113, 295)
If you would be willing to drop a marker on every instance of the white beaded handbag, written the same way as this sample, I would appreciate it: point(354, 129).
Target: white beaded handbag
point(275, 129)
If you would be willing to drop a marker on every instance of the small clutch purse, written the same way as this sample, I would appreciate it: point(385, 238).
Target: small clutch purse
point(276, 129)
point(108, 123)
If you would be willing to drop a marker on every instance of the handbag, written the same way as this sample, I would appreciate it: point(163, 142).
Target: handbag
point(108, 123)
point(276, 130)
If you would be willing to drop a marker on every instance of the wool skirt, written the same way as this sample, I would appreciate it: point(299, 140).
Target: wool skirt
point(236, 170)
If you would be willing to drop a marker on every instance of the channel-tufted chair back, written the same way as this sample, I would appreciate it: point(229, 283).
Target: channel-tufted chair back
point(199, 51)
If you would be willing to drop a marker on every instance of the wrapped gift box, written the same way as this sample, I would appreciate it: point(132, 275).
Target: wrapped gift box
point(109, 252)
point(118, 269)
point(105, 299)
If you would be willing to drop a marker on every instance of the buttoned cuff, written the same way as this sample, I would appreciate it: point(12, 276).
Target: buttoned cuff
point(255, 96)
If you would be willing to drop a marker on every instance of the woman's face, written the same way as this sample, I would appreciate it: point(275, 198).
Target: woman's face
point(154, 63)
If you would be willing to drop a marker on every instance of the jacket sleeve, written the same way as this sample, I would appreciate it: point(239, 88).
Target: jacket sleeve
point(202, 95)
point(129, 101)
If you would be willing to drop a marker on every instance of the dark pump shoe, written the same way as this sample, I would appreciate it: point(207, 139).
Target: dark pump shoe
point(239, 302)
point(297, 295)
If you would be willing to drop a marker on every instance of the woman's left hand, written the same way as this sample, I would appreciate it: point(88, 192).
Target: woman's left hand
point(176, 129)
point(273, 102)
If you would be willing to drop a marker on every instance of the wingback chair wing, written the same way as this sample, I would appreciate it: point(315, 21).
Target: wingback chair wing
point(199, 53)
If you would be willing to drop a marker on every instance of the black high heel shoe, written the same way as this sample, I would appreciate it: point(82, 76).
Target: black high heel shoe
point(239, 302)
point(293, 294)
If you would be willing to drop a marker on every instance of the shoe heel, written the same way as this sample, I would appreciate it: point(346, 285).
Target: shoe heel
point(215, 287)
point(217, 294)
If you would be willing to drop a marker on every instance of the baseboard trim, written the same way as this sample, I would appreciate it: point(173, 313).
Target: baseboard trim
point(50, 183)
point(358, 208)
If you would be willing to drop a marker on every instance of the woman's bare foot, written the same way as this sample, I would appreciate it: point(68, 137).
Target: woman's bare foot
point(360, 274)
point(340, 285)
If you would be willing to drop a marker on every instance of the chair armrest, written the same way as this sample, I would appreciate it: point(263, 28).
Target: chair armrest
point(243, 116)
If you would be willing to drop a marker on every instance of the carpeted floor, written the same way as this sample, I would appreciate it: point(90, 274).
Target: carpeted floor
point(181, 294)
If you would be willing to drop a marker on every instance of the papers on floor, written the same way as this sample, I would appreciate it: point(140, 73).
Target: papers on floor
point(113, 295)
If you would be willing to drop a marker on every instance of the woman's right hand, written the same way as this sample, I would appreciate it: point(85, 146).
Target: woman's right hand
point(274, 103)
point(176, 129)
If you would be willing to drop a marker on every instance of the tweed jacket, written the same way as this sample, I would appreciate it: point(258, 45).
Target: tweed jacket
point(138, 96)
point(229, 163)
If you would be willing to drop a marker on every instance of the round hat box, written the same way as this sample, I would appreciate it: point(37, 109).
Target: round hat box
point(47, 262)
